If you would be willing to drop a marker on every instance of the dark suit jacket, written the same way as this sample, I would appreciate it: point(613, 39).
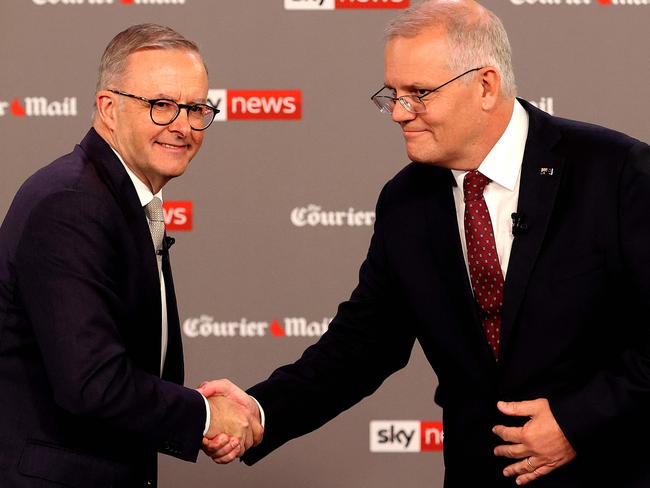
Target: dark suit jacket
point(82, 404)
point(576, 318)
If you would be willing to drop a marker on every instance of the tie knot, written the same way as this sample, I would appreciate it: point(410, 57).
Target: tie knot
point(473, 185)
point(154, 210)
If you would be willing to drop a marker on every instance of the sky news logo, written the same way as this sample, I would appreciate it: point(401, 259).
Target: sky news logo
point(178, 215)
point(206, 326)
point(314, 215)
point(108, 2)
point(344, 4)
point(583, 3)
point(39, 107)
point(406, 436)
point(256, 104)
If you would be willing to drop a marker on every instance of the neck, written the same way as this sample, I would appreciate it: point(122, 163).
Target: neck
point(495, 125)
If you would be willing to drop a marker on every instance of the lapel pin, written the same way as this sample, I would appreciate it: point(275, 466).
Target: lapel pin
point(546, 171)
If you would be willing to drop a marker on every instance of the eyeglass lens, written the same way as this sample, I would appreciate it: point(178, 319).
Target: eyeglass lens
point(164, 112)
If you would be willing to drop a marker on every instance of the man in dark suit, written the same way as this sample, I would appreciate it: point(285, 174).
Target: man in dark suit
point(91, 362)
point(516, 250)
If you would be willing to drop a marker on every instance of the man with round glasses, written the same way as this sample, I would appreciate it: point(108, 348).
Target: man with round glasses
point(515, 250)
point(91, 362)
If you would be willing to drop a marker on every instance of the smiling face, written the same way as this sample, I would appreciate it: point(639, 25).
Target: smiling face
point(155, 153)
point(451, 132)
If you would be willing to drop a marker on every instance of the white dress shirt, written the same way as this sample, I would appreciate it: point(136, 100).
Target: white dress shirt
point(145, 196)
point(503, 166)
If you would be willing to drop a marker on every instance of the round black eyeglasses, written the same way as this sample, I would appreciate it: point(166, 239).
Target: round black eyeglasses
point(164, 111)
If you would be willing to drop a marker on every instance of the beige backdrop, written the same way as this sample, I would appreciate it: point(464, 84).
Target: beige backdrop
point(265, 255)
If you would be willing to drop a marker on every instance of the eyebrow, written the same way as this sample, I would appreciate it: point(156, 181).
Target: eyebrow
point(169, 97)
point(411, 87)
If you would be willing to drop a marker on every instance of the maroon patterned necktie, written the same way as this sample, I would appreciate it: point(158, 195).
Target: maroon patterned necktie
point(482, 258)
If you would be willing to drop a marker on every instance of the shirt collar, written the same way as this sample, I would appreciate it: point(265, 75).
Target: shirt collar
point(144, 193)
point(503, 162)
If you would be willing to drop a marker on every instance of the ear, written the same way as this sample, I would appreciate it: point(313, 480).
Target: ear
point(107, 108)
point(490, 86)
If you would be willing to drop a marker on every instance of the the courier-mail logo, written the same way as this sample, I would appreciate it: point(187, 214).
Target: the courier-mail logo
point(405, 435)
point(256, 104)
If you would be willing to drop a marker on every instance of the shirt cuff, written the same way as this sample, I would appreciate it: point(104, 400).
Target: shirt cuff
point(207, 415)
point(262, 416)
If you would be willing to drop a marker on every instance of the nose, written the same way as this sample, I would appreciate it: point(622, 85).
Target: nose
point(400, 114)
point(181, 124)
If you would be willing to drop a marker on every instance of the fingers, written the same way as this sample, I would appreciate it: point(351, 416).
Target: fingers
point(216, 387)
point(258, 433)
point(222, 449)
point(527, 470)
point(220, 445)
point(512, 451)
point(229, 458)
point(509, 434)
point(528, 408)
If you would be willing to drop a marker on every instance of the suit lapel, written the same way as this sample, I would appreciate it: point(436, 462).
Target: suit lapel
point(112, 172)
point(541, 173)
point(173, 369)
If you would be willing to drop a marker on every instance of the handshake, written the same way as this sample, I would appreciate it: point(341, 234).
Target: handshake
point(235, 423)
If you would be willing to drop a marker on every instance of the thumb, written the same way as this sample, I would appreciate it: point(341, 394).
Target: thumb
point(207, 389)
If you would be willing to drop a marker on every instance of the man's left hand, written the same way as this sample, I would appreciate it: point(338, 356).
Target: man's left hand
point(539, 444)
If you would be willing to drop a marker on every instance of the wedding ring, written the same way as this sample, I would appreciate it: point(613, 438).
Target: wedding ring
point(530, 465)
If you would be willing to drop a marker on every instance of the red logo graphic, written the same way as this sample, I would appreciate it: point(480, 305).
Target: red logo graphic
point(276, 329)
point(349, 4)
point(605, 2)
point(178, 215)
point(256, 104)
point(16, 108)
point(431, 436)
point(264, 104)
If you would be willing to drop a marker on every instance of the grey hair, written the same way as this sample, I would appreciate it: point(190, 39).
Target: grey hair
point(137, 38)
point(474, 41)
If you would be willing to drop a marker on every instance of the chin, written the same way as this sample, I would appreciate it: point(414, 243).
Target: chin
point(417, 157)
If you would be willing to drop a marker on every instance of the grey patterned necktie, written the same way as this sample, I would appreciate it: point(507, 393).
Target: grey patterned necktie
point(154, 212)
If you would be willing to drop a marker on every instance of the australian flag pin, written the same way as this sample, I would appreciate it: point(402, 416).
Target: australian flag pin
point(546, 171)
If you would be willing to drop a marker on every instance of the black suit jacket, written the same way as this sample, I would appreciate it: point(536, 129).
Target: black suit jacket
point(575, 323)
point(83, 404)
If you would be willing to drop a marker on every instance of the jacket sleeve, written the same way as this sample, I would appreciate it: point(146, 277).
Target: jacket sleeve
point(66, 264)
point(365, 343)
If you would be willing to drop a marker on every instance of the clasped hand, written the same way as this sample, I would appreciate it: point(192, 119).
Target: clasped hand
point(235, 424)
point(539, 446)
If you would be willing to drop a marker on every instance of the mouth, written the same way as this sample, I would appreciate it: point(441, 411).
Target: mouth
point(173, 147)
point(412, 133)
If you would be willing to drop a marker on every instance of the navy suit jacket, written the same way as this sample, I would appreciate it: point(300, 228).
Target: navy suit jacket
point(83, 404)
point(575, 325)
